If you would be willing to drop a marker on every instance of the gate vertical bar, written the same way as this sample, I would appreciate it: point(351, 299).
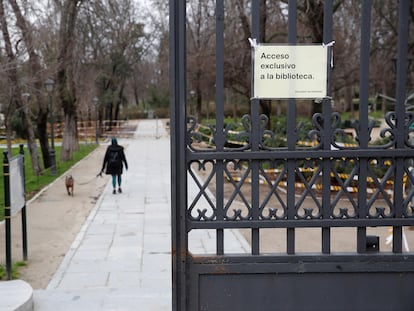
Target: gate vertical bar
point(255, 139)
point(178, 158)
point(403, 17)
point(363, 135)
point(219, 138)
point(291, 137)
point(327, 112)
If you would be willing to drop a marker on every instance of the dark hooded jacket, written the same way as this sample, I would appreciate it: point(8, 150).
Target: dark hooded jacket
point(114, 158)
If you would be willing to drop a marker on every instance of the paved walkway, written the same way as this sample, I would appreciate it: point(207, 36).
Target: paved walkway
point(121, 258)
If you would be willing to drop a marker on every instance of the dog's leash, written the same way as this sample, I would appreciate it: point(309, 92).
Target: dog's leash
point(87, 182)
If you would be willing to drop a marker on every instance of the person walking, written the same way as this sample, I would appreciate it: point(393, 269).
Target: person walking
point(114, 161)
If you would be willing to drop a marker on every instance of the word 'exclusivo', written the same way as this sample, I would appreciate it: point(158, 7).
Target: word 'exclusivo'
point(278, 66)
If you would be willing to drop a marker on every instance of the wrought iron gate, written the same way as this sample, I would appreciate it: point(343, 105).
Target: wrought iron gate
point(358, 187)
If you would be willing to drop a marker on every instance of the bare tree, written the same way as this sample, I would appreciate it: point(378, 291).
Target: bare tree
point(384, 48)
point(150, 76)
point(13, 77)
point(273, 23)
point(200, 18)
point(36, 78)
point(117, 45)
point(65, 82)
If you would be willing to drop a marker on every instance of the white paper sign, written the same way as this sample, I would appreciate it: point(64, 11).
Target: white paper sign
point(290, 71)
point(17, 196)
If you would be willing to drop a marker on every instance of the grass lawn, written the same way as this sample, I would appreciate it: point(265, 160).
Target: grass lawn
point(14, 270)
point(36, 183)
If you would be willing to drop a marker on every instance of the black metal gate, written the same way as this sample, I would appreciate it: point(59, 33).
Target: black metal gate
point(326, 186)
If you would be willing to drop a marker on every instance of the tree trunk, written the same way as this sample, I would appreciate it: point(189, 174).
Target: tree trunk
point(9, 132)
point(198, 98)
point(199, 101)
point(65, 81)
point(16, 94)
point(117, 110)
point(120, 100)
point(263, 21)
point(348, 100)
point(109, 117)
point(43, 138)
point(70, 133)
point(384, 101)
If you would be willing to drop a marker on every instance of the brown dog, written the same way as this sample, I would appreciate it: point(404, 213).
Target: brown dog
point(69, 182)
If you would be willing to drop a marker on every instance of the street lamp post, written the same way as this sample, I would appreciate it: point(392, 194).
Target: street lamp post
point(96, 103)
point(50, 85)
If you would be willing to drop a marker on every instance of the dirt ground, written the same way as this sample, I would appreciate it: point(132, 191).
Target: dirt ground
point(54, 219)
